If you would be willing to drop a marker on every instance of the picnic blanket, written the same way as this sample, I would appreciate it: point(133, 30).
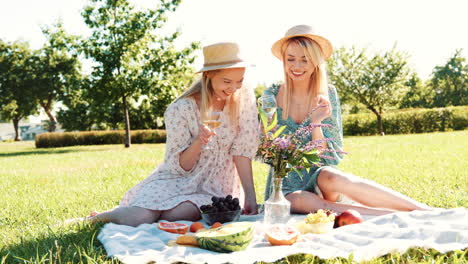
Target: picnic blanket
point(443, 229)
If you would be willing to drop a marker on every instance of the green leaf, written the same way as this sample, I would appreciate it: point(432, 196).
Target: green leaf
point(273, 123)
point(264, 119)
point(279, 131)
point(312, 157)
point(298, 172)
point(313, 151)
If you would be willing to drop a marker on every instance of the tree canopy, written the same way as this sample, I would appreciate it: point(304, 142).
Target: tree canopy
point(377, 82)
point(17, 99)
point(131, 59)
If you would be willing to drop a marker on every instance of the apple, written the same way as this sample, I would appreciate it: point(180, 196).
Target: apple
point(349, 217)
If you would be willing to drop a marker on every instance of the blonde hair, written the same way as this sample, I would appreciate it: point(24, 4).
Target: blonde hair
point(318, 83)
point(204, 88)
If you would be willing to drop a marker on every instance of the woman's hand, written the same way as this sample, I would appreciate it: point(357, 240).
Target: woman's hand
point(321, 110)
point(204, 134)
point(250, 206)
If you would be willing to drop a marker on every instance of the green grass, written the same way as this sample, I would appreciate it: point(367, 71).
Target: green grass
point(39, 188)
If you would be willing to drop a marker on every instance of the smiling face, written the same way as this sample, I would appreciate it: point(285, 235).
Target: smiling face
point(296, 64)
point(225, 82)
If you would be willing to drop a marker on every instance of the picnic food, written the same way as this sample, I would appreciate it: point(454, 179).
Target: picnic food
point(172, 227)
point(320, 222)
point(221, 210)
point(349, 217)
point(216, 225)
point(220, 204)
point(279, 235)
point(196, 226)
point(190, 240)
point(321, 216)
point(228, 238)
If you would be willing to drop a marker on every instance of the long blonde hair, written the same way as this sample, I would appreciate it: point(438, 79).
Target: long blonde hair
point(318, 83)
point(204, 88)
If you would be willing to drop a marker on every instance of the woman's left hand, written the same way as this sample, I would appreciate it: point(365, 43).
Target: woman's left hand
point(322, 109)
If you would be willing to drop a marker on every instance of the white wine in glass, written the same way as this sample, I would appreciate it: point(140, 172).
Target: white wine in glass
point(268, 104)
point(212, 119)
point(212, 124)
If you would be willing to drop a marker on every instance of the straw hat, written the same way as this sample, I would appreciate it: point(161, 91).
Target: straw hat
point(222, 55)
point(303, 31)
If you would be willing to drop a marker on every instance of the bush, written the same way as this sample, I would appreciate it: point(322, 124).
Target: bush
point(408, 121)
point(55, 140)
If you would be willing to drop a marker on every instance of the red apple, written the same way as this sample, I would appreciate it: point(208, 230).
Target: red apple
point(349, 217)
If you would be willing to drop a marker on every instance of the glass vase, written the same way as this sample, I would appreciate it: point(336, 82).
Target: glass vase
point(277, 208)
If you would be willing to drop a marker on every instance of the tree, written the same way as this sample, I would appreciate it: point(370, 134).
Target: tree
point(377, 82)
point(79, 110)
point(57, 69)
point(450, 82)
point(132, 60)
point(16, 79)
point(418, 94)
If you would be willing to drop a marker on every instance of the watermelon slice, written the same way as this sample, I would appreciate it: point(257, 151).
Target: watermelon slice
point(228, 238)
point(172, 227)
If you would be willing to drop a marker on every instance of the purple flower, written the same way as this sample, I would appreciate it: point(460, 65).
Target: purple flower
point(282, 143)
point(303, 131)
point(327, 157)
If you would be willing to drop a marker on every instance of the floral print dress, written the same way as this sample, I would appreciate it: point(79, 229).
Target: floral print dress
point(214, 174)
point(308, 181)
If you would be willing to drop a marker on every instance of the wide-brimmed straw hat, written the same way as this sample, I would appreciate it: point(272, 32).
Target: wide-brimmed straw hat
point(307, 32)
point(222, 55)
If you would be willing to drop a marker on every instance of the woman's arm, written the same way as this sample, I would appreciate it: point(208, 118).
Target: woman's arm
point(244, 169)
point(321, 111)
point(190, 156)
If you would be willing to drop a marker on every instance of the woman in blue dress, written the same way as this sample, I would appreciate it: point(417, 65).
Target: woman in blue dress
point(305, 98)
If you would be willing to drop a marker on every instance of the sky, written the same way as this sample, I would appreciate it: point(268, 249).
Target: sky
point(429, 31)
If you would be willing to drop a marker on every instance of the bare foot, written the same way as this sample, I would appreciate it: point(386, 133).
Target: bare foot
point(82, 219)
point(92, 217)
point(93, 213)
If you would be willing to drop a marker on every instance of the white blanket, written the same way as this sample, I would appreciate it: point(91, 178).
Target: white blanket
point(443, 230)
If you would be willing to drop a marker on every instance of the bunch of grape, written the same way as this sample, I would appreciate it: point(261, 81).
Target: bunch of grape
point(321, 216)
point(220, 204)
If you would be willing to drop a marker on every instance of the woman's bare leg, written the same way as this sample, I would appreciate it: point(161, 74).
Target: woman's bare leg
point(131, 216)
point(184, 211)
point(332, 182)
point(304, 202)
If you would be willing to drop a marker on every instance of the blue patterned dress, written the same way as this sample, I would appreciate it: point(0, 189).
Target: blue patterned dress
point(308, 180)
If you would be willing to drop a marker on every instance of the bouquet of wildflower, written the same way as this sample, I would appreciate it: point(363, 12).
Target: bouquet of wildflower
point(287, 152)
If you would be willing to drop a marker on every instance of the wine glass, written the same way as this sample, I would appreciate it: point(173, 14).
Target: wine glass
point(211, 119)
point(268, 104)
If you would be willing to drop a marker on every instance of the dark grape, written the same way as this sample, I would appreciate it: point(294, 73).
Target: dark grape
point(221, 204)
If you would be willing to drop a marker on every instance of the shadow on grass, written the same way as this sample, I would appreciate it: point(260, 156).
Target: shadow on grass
point(77, 244)
point(46, 151)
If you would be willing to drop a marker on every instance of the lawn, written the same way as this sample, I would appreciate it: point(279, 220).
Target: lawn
point(39, 188)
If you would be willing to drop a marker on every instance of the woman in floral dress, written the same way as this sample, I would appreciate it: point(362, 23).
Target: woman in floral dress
point(191, 173)
point(306, 98)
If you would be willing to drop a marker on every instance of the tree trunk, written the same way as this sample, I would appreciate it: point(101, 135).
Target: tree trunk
point(52, 119)
point(380, 124)
point(17, 133)
point(127, 123)
point(379, 120)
